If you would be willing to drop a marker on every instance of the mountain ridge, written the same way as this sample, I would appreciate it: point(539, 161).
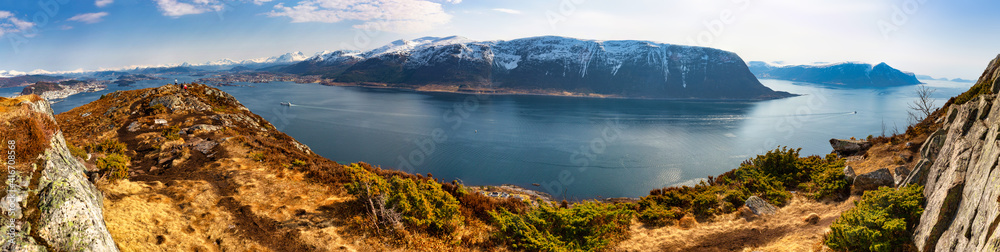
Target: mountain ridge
point(624, 68)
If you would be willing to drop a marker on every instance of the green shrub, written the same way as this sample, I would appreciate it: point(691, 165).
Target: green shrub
point(107, 146)
point(420, 204)
point(172, 133)
point(76, 151)
point(114, 166)
point(587, 226)
point(828, 179)
point(257, 156)
point(976, 90)
point(881, 221)
point(158, 108)
point(656, 215)
point(769, 176)
point(298, 162)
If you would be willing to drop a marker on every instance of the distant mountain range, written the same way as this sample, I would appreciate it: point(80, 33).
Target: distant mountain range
point(843, 74)
point(625, 68)
point(928, 77)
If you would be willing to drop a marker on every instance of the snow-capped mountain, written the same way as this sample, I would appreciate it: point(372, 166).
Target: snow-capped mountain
point(287, 58)
point(855, 74)
point(626, 67)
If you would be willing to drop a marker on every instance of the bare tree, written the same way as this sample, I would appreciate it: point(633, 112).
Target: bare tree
point(923, 105)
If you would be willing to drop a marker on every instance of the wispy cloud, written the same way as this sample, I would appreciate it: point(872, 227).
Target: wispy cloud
point(102, 3)
point(11, 24)
point(509, 11)
point(260, 2)
point(402, 16)
point(177, 8)
point(89, 18)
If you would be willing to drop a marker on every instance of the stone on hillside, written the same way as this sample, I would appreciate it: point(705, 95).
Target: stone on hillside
point(196, 104)
point(846, 147)
point(849, 173)
point(873, 180)
point(813, 218)
point(760, 206)
point(134, 126)
point(202, 145)
point(173, 102)
point(900, 174)
point(199, 128)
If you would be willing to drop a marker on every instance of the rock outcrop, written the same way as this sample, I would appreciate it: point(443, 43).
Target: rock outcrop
point(49, 204)
point(846, 147)
point(959, 172)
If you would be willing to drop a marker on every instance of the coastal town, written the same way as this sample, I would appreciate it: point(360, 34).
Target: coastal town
point(227, 79)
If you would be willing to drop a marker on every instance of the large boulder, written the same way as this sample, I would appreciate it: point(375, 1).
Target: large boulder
point(873, 180)
point(760, 206)
point(846, 147)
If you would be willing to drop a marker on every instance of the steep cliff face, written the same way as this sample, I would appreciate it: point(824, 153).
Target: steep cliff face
point(49, 203)
point(960, 176)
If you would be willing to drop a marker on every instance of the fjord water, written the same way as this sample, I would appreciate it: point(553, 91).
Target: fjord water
point(577, 148)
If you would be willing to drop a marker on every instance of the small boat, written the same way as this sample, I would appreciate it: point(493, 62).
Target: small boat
point(286, 104)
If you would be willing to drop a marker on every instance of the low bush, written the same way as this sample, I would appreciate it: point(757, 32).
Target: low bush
point(76, 151)
point(172, 133)
point(769, 176)
point(114, 166)
point(587, 226)
point(396, 200)
point(882, 220)
point(108, 146)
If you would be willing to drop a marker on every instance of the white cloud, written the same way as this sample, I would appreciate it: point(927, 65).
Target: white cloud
point(177, 8)
point(259, 2)
point(509, 11)
point(89, 18)
point(102, 3)
point(11, 24)
point(402, 16)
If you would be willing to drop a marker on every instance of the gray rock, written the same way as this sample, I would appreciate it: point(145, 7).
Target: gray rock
point(196, 104)
point(201, 128)
point(900, 173)
point(133, 127)
point(760, 206)
point(173, 102)
point(202, 145)
point(873, 180)
point(69, 207)
point(849, 173)
point(846, 147)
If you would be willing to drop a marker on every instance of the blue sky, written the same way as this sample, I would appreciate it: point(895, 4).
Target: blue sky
point(938, 38)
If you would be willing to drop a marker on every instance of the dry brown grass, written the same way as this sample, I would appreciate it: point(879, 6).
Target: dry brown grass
point(784, 231)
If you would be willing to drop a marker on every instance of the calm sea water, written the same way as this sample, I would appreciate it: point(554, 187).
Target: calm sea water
point(577, 148)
